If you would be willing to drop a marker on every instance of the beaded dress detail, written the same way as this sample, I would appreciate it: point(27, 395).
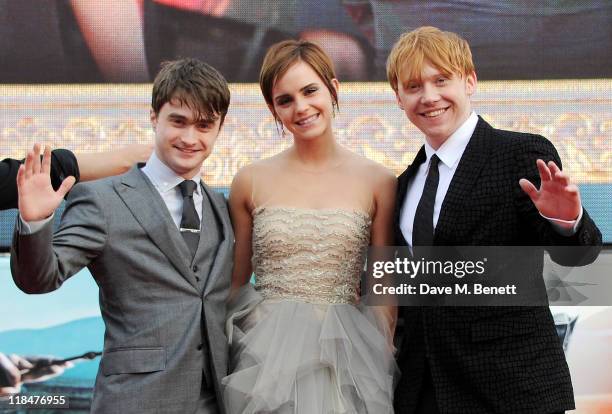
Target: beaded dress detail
point(313, 256)
point(299, 340)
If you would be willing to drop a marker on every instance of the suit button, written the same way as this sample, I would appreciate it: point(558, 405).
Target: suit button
point(197, 278)
point(200, 347)
point(194, 268)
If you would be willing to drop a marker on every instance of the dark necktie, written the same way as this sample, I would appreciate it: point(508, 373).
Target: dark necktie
point(190, 222)
point(423, 228)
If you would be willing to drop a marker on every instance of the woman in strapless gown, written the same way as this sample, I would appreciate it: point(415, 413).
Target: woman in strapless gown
point(300, 340)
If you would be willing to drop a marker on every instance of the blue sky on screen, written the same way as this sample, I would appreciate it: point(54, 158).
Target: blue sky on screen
point(77, 298)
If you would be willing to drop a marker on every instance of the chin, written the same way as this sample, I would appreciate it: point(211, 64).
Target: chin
point(309, 136)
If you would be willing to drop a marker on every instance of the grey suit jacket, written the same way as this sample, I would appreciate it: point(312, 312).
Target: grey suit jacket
point(159, 319)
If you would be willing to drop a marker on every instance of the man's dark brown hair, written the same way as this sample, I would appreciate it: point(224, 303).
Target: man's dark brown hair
point(194, 84)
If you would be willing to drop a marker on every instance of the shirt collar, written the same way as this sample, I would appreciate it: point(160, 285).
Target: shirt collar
point(163, 177)
point(450, 152)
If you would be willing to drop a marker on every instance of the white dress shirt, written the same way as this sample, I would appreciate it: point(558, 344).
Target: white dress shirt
point(166, 182)
point(450, 154)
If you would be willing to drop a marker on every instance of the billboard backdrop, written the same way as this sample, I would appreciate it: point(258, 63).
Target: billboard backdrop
point(83, 41)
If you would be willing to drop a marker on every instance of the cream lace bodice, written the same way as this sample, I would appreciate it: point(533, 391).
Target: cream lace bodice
point(309, 255)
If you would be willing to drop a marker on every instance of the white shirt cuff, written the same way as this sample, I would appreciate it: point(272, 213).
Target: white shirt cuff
point(565, 227)
point(31, 227)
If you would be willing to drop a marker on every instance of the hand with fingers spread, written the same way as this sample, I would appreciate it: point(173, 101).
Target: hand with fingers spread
point(37, 199)
point(557, 198)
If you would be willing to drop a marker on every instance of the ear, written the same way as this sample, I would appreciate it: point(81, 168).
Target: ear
point(273, 112)
point(470, 83)
point(399, 101)
point(335, 84)
point(153, 117)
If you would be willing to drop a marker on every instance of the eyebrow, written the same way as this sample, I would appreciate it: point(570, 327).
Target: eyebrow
point(174, 115)
point(422, 78)
point(301, 90)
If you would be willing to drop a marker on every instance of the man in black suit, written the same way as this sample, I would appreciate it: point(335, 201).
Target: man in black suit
point(471, 184)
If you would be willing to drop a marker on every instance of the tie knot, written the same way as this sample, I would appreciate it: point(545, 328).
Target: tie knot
point(187, 188)
point(433, 162)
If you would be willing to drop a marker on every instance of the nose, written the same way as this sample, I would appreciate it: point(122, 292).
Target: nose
point(430, 95)
point(300, 104)
point(189, 136)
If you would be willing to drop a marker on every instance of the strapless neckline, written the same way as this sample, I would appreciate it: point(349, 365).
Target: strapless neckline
point(306, 210)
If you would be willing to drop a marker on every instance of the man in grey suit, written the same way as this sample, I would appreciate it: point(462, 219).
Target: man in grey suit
point(158, 243)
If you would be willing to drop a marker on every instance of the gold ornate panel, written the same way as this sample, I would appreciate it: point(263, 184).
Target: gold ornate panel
point(576, 115)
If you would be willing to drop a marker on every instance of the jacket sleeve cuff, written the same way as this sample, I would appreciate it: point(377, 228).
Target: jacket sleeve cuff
point(565, 227)
point(31, 227)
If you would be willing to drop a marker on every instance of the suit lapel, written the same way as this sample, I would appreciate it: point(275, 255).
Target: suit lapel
point(470, 166)
point(148, 208)
point(222, 216)
point(402, 189)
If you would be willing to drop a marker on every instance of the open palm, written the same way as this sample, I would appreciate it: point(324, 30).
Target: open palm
point(37, 199)
point(557, 198)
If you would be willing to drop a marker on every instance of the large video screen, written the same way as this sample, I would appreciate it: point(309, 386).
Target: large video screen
point(114, 41)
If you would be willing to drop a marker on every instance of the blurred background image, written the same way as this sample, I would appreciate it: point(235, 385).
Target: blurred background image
point(116, 41)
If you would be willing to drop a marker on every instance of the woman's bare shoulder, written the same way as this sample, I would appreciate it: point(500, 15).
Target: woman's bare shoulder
point(263, 165)
point(370, 168)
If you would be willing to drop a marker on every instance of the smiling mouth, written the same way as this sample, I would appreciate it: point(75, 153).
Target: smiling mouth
point(308, 121)
point(435, 113)
point(187, 150)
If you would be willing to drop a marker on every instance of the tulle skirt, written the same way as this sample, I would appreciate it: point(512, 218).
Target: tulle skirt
point(296, 357)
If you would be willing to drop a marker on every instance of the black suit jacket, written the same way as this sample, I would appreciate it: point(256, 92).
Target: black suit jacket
point(491, 359)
